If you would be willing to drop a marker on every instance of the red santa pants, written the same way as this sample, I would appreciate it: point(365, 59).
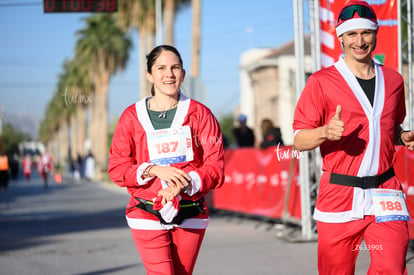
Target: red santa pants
point(340, 243)
point(168, 252)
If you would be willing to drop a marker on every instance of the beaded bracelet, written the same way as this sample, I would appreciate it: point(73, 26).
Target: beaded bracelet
point(146, 173)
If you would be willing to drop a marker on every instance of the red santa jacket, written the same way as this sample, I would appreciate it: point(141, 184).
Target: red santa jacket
point(129, 156)
point(367, 145)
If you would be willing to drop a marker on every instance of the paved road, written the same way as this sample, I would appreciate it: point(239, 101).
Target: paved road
point(79, 229)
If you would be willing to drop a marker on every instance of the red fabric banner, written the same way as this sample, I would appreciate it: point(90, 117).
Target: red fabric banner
point(387, 47)
point(257, 180)
point(404, 169)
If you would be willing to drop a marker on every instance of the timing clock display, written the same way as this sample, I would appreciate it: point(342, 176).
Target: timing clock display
point(50, 6)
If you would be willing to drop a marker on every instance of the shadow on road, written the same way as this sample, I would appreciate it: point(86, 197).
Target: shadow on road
point(110, 270)
point(29, 212)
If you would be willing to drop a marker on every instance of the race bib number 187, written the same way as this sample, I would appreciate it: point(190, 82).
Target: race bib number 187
point(167, 146)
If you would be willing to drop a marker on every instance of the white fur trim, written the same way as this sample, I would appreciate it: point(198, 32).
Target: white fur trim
point(355, 24)
point(144, 224)
point(335, 217)
point(195, 183)
point(370, 162)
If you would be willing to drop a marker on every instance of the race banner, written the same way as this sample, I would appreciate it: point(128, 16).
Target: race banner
point(260, 182)
point(404, 169)
point(387, 47)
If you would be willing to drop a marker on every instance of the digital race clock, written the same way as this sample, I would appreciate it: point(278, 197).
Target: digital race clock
point(80, 6)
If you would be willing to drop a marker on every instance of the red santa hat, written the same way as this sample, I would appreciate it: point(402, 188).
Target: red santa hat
point(356, 15)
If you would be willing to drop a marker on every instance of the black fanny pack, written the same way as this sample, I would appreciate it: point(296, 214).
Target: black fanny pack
point(362, 182)
point(188, 209)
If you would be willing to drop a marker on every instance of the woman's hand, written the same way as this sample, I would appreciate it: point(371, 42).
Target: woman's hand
point(172, 175)
point(169, 193)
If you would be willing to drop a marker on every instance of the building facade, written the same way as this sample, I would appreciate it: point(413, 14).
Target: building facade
point(268, 88)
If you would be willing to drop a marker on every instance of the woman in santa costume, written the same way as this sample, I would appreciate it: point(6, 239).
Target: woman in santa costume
point(167, 151)
point(353, 110)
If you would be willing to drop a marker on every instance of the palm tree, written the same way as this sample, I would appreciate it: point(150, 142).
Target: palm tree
point(79, 92)
point(139, 15)
point(54, 128)
point(106, 49)
point(171, 8)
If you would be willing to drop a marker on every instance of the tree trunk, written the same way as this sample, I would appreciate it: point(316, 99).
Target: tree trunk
point(52, 149)
point(78, 127)
point(169, 18)
point(63, 144)
point(99, 125)
point(195, 53)
point(144, 86)
point(146, 43)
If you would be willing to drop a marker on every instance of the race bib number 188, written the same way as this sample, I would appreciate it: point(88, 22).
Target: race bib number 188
point(389, 205)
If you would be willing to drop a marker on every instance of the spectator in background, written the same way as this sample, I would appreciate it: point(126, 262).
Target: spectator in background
point(90, 167)
point(271, 134)
point(75, 170)
point(80, 164)
point(14, 166)
point(243, 134)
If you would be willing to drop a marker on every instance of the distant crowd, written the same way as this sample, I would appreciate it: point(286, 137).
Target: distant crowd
point(244, 136)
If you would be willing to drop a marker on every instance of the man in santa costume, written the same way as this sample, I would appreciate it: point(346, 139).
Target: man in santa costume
point(353, 110)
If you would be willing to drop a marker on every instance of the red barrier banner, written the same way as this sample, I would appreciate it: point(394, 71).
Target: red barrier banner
point(387, 47)
point(404, 169)
point(256, 183)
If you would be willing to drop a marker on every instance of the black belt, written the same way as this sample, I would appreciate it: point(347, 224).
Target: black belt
point(362, 182)
point(188, 209)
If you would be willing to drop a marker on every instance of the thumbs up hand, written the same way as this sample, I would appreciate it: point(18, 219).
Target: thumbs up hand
point(335, 127)
point(338, 112)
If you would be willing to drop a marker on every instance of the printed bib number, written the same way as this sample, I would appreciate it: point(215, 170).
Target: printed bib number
point(167, 146)
point(389, 205)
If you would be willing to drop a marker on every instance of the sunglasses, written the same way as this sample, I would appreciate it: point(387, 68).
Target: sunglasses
point(363, 12)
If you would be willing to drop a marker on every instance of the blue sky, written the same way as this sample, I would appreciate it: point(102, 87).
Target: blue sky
point(34, 46)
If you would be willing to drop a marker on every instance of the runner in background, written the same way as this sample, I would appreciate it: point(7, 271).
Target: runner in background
point(27, 166)
point(45, 167)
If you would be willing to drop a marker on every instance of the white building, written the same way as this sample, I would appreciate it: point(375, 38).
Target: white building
point(267, 84)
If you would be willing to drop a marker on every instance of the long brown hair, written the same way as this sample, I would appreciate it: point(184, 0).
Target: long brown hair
point(266, 126)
